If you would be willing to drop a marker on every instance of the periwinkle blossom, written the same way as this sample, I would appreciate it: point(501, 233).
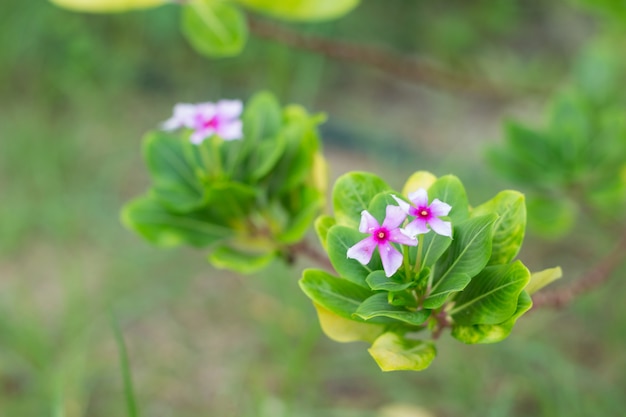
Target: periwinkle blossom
point(381, 238)
point(425, 215)
point(208, 119)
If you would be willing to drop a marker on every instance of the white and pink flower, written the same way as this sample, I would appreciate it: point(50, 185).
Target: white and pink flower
point(208, 119)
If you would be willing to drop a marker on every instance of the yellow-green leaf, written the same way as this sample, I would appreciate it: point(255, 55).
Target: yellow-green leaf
point(393, 352)
point(107, 6)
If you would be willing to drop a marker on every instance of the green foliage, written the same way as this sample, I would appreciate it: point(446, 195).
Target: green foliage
point(221, 195)
point(576, 161)
point(469, 282)
point(302, 9)
point(214, 28)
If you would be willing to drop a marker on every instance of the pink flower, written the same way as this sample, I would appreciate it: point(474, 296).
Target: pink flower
point(208, 119)
point(425, 215)
point(380, 237)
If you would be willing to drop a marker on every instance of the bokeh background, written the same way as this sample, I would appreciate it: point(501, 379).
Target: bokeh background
point(77, 92)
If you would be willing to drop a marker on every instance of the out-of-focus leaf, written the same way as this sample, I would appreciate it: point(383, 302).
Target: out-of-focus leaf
point(147, 216)
point(302, 9)
point(393, 352)
point(226, 257)
point(551, 217)
point(419, 179)
point(214, 28)
point(107, 6)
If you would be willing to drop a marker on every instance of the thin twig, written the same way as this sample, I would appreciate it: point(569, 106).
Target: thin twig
point(594, 278)
point(400, 66)
point(304, 248)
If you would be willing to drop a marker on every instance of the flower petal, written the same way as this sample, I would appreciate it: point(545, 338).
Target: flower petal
point(419, 198)
point(439, 208)
point(440, 227)
point(231, 130)
point(183, 116)
point(401, 236)
point(391, 258)
point(229, 109)
point(416, 227)
point(368, 223)
point(403, 204)
point(362, 251)
point(394, 216)
point(198, 136)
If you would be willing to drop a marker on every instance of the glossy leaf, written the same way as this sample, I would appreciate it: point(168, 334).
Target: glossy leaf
point(393, 352)
point(419, 179)
point(488, 333)
point(509, 228)
point(352, 194)
point(214, 28)
point(491, 297)
point(378, 281)
point(338, 295)
point(107, 6)
point(302, 9)
point(467, 256)
point(339, 239)
point(378, 306)
point(344, 330)
point(450, 190)
point(149, 218)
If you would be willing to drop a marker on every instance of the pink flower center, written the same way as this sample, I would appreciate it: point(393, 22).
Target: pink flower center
point(210, 124)
point(381, 235)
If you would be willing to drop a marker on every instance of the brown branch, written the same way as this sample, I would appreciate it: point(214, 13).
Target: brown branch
point(594, 278)
point(413, 70)
point(304, 248)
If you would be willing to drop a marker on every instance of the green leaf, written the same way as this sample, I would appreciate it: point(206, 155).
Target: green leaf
point(107, 6)
point(265, 157)
point(540, 279)
point(352, 194)
point(214, 28)
point(302, 9)
point(226, 257)
point(393, 352)
point(433, 245)
point(509, 228)
point(378, 306)
point(146, 216)
point(491, 297)
point(378, 205)
point(488, 333)
point(551, 217)
point(322, 225)
point(303, 206)
point(174, 164)
point(337, 295)
point(262, 117)
point(343, 330)
point(450, 190)
point(377, 280)
point(339, 239)
point(230, 202)
point(467, 256)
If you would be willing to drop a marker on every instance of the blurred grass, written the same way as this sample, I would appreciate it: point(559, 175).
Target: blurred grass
point(78, 91)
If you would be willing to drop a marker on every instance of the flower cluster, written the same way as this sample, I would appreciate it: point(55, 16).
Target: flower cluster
point(208, 119)
point(381, 237)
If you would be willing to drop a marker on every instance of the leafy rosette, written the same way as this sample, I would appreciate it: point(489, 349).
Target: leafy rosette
point(459, 272)
point(246, 190)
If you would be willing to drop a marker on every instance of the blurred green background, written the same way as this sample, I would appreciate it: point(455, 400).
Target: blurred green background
point(77, 93)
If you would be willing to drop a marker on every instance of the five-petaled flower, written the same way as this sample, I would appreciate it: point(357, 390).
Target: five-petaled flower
point(425, 214)
point(380, 237)
point(208, 119)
